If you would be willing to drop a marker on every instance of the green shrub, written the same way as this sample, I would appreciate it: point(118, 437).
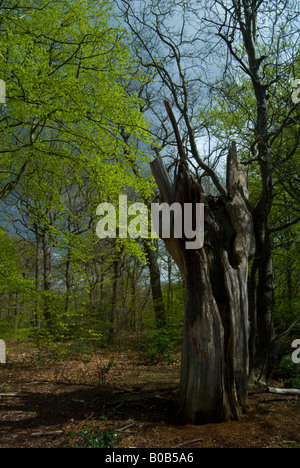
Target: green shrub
point(157, 346)
point(292, 383)
point(289, 372)
point(97, 438)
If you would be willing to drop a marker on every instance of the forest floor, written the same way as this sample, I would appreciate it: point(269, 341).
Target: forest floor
point(45, 402)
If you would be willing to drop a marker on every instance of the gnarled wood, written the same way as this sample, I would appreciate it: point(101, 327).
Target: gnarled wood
point(215, 358)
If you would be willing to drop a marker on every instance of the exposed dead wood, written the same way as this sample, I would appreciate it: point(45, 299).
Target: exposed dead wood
point(213, 381)
point(285, 391)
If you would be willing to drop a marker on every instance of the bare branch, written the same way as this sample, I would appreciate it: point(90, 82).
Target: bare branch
point(285, 226)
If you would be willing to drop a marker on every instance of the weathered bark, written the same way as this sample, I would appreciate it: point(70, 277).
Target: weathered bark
point(215, 357)
point(203, 396)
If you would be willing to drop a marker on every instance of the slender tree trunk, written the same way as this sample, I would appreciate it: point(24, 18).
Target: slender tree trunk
point(169, 291)
point(68, 280)
point(133, 299)
point(115, 306)
point(263, 347)
point(37, 277)
point(263, 354)
point(157, 296)
point(132, 309)
point(47, 251)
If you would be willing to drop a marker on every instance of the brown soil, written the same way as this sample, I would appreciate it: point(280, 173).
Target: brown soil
point(45, 403)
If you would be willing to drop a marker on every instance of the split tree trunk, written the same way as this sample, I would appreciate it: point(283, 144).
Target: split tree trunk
point(215, 358)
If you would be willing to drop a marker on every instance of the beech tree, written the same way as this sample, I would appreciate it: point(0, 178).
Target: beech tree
point(67, 97)
point(67, 67)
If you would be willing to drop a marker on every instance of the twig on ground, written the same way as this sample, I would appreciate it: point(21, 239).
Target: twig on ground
point(125, 427)
point(50, 433)
point(188, 442)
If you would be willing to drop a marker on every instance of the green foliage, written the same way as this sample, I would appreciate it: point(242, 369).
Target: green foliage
point(97, 438)
point(3, 387)
point(11, 278)
point(68, 73)
point(286, 262)
point(289, 372)
point(157, 346)
point(174, 299)
point(293, 383)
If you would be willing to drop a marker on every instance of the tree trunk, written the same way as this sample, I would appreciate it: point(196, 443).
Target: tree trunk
point(263, 347)
point(263, 352)
point(37, 278)
point(133, 291)
point(215, 359)
point(202, 383)
point(68, 281)
point(115, 305)
point(157, 297)
point(47, 251)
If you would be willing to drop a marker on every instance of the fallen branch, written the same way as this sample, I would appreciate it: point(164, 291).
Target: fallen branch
point(285, 391)
point(188, 442)
point(42, 434)
point(125, 428)
point(271, 400)
point(18, 395)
